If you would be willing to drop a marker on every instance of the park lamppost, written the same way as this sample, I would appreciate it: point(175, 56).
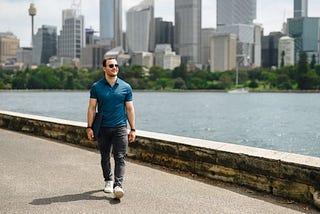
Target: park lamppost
point(32, 13)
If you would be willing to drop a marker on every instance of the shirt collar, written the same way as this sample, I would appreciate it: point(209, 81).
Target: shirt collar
point(106, 82)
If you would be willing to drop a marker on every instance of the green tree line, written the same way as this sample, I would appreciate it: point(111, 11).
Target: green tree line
point(302, 76)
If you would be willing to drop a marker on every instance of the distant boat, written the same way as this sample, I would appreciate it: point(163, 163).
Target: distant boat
point(238, 91)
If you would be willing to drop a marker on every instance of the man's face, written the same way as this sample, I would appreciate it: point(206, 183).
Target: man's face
point(111, 68)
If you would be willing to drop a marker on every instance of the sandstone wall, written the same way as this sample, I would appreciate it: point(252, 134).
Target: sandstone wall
point(282, 174)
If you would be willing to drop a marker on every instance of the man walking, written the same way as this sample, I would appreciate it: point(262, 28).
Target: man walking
point(113, 97)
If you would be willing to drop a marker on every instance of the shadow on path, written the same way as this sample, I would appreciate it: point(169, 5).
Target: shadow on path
point(75, 197)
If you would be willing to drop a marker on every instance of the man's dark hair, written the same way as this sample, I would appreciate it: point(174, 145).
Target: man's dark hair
point(104, 63)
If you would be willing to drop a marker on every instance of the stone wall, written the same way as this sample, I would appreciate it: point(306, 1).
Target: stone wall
point(282, 174)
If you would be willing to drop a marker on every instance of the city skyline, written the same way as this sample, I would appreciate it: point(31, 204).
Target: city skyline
point(271, 16)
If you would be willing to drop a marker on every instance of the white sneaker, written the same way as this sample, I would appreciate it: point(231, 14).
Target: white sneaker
point(118, 192)
point(109, 186)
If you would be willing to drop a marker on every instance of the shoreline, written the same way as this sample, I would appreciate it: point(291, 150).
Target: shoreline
point(169, 91)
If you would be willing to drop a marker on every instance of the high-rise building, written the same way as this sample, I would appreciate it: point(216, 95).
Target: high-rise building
point(206, 36)
point(111, 22)
point(223, 52)
point(300, 8)
point(305, 31)
point(90, 39)
point(45, 44)
point(9, 45)
point(236, 17)
point(306, 34)
point(188, 30)
point(92, 56)
point(258, 32)
point(269, 50)
point(72, 35)
point(164, 32)
point(140, 27)
point(231, 12)
point(24, 56)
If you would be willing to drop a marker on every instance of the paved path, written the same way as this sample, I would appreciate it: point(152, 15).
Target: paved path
point(42, 176)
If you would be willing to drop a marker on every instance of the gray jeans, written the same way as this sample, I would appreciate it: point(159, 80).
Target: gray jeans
point(116, 138)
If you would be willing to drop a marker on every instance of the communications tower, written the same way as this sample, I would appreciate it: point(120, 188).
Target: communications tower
point(32, 13)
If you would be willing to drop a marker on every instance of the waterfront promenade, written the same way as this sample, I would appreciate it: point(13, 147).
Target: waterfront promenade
point(43, 176)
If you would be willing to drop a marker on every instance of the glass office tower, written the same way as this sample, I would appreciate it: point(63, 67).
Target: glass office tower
point(236, 17)
point(188, 30)
point(305, 31)
point(300, 8)
point(140, 27)
point(72, 35)
point(44, 44)
point(111, 22)
point(231, 12)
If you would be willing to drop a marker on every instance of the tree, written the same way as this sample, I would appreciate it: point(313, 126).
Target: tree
point(302, 70)
point(311, 80)
point(155, 73)
point(313, 61)
point(134, 71)
point(225, 81)
point(179, 84)
point(162, 83)
point(198, 83)
point(253, 84)
point(283, 82)
point(181, 72)
point(20, 80)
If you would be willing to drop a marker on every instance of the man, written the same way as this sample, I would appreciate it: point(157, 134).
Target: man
point(113, 97)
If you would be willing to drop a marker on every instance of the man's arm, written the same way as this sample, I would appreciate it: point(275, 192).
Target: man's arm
point(90, 117)
point(131, 120)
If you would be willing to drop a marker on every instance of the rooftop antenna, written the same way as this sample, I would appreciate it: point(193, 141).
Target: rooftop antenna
point(76, 6)
point(284, 15)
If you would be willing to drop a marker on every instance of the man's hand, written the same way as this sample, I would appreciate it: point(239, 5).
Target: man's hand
point(132, 136)
point(90, 133)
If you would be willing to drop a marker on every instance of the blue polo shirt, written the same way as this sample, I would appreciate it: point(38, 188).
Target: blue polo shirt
point(111, 101)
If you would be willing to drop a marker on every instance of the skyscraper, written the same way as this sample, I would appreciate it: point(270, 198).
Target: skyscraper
point(237, 17)
point(270, 49)
point(140, 27)
point(111, 22)
point(300, 8)
point(223, 52)
point(188, 30)
point(45, 44)
point(305, 31)
point(164, 32)
point(206, 36)
point(72, 36)
point(231, 12)
point(306, 34)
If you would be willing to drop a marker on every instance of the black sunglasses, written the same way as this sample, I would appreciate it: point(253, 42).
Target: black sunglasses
point(113, 65)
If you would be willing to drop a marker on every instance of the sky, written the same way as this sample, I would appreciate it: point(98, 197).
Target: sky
point(14, 15)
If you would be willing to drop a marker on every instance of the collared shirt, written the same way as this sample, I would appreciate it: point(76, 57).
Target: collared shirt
point(111, 101)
